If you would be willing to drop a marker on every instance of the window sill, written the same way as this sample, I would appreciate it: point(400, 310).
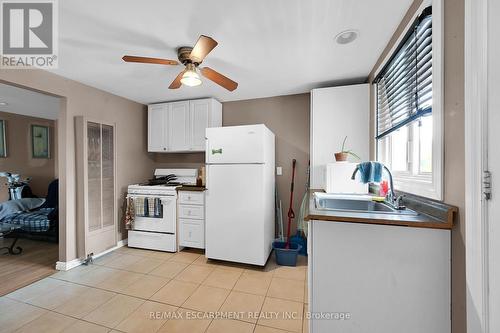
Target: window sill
point(423, 187)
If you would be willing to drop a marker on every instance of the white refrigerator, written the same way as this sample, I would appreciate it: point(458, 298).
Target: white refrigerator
point(240, 193)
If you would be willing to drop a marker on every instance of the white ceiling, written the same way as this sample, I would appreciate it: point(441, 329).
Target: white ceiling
point(270, 47)
point(28, 103)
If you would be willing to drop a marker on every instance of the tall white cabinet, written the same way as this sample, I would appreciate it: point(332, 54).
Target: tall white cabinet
point(180, 126)
point(337, 112)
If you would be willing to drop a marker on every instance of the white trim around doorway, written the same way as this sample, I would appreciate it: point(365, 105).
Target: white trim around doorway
point(476, 99)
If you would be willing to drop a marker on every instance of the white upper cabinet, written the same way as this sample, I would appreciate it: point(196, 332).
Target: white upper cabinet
point(337, 112)
point(200, 120)
point(157, 121)
point(180, 126)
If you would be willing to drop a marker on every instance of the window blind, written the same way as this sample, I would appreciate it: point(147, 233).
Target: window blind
point(404, 86)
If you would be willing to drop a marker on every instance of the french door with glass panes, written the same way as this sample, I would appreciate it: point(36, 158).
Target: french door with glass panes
point(96, 187)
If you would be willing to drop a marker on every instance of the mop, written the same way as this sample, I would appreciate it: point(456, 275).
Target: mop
point(301, 236)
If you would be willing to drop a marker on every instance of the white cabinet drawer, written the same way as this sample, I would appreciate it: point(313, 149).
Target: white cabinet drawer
point(192, 233)
point(152, 241)
point(191, 212)
point(191, 198)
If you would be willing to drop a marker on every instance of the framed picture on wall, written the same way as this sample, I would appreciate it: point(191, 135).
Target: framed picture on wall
point(40, 141)
point(3, 143)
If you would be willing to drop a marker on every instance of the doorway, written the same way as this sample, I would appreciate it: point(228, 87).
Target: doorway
point(29, 190)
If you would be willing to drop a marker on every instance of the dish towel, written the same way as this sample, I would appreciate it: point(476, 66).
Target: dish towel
point(151, 207)
point(370, 172)
point(130, 214)
point(139, 206)
point(146, 207)
point(158, 207)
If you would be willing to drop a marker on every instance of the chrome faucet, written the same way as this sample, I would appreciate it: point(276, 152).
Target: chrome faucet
point(391, 197)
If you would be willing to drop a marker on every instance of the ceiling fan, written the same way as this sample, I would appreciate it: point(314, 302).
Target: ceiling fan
point(191, 58)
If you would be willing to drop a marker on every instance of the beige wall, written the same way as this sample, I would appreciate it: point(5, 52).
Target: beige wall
point(454, 152)
point(134, 164)
point(19, 154)
point(288, 117)
point(179, 160)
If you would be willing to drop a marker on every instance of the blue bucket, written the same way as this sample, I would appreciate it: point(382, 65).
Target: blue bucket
point(286, 257)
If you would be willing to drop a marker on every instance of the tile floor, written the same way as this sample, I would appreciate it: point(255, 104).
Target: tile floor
point(132, 290)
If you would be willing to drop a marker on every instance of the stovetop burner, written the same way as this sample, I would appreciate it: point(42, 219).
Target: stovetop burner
point(164, 180)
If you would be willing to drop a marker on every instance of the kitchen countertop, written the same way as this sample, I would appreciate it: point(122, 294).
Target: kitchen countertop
point(432, 215)
point(191, 188)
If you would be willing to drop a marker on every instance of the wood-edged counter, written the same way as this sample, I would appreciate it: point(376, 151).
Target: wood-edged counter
point(431, 214)
point(191, 188)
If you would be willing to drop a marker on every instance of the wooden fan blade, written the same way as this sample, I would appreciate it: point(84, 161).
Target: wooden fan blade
point(202, 47)
point(147, 60)
point(176, 83)
point(218, 78)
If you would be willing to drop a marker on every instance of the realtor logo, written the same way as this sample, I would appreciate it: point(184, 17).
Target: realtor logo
point(28, 34)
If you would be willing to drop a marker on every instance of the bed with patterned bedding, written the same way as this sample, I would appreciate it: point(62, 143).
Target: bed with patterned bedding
point(33, 221)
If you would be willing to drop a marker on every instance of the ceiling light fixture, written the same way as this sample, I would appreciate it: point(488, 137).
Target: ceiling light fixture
point(346, 36)
point(190, 78)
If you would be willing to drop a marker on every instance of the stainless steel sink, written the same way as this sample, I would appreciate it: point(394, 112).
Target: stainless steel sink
point(359, 206)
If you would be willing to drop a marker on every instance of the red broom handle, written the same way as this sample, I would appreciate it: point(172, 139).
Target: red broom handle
point(291, 213)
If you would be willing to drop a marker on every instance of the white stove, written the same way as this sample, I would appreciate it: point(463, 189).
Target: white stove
point(152, 189)
point(155, 203)
point(178, 177)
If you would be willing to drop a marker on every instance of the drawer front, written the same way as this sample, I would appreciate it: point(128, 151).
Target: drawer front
point(191, 198)
point(152, 241)
point(192, 233)
point(191, 212)
point(165, 224)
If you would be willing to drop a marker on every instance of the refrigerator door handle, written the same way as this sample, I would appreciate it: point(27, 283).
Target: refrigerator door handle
point(207, 193)
point(207, 157)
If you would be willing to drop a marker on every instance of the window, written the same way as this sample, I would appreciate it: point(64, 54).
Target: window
point(408, 117)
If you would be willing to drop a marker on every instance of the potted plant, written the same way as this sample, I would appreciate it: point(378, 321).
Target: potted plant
point(343, 154)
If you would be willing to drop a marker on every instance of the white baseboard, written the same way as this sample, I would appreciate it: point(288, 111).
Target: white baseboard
point(67, 265)
point(118, 245)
